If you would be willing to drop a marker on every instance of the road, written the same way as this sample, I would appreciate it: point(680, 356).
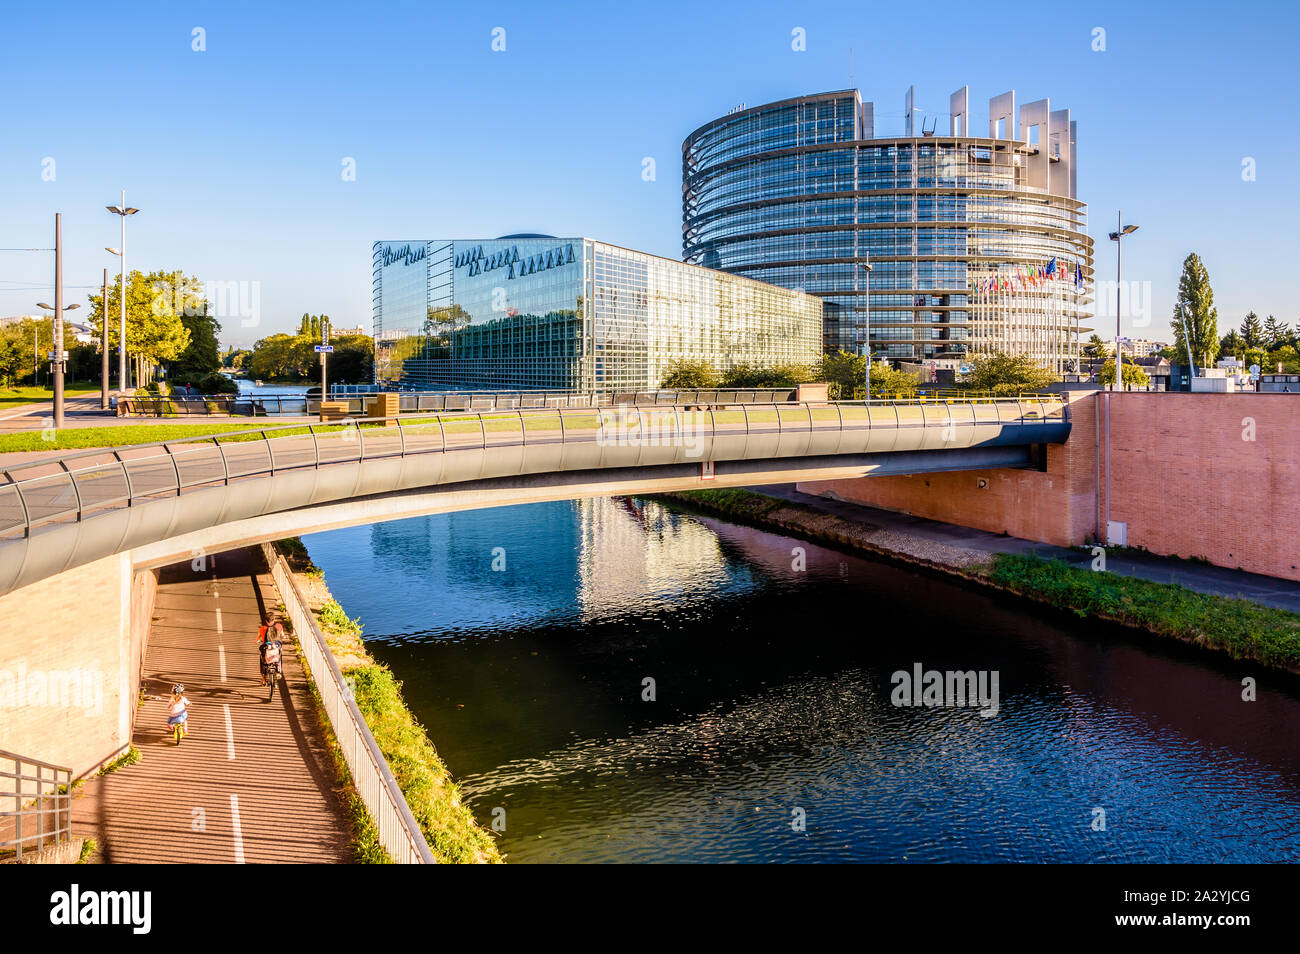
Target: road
point(253, 780)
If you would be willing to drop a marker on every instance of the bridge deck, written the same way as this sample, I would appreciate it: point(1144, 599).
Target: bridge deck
point(256, 786)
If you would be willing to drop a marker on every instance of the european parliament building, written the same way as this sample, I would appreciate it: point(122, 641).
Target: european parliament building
point(976, 242)
point(540, 312)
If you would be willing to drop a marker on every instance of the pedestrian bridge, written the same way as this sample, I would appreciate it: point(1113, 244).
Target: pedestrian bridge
point(170, 501)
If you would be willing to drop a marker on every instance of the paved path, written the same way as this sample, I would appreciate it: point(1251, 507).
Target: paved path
point(253, 781)
point(1203, 578)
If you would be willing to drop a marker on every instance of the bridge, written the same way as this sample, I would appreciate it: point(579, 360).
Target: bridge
point(166, 502)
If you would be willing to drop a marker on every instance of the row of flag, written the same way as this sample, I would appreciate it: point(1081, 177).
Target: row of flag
point(1035, 276)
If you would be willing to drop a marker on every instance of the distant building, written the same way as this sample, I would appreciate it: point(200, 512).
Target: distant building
point(1138, 347)
point(346, 332)
point(536, 311)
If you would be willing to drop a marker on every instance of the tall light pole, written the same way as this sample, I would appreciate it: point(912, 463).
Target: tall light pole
point(866, 346)
point(103, 347)
point(121, 377)
point(56, 335)
point(122, 211)
point(1120, 231)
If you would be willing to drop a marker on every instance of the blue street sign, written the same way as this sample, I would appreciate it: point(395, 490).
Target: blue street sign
point(326, 348)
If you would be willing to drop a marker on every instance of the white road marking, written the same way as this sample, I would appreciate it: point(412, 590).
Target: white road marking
point(230, 736)
point(219, 629)
point(239, 832)
point(221, 657)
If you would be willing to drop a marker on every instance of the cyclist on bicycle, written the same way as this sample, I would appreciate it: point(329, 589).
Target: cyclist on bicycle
point(269, 649)
point(178, 709)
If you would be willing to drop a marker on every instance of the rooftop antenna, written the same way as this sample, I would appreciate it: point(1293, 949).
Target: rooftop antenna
point(850, 67)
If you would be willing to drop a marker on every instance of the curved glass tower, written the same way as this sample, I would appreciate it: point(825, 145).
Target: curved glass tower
point(976, 243)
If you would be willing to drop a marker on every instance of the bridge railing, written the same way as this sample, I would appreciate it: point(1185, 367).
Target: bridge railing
point(78, 486)
point(396, 827)
point(41, 795)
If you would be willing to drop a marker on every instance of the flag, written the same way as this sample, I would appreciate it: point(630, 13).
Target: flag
point(1078, 275)
point(1051, 268)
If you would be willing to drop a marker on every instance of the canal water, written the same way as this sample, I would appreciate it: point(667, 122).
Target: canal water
point(526, 639)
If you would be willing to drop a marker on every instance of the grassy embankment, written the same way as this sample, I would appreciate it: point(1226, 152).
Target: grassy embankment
point(448, 826)
point(1238, 627)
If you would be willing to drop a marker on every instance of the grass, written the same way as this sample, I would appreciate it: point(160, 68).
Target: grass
point(129, 757)
point(1244, 629)
point(333, 617)
point(83, 438)
point(88, 848)
point(1241, 628)
point(16, 397)
point(365, 845)
point(448, 826)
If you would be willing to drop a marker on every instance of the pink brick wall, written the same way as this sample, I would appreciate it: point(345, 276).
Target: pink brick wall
point(1183, 477)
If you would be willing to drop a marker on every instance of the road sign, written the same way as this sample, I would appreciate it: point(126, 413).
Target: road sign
point(328, 349)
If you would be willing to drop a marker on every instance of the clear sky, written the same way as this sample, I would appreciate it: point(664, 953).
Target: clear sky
point(235, 154)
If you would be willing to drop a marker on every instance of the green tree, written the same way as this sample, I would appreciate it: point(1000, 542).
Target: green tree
point(685, 374)
point(1252, 330)
point(760, 376)
point(1276, 333)
point(887, 381)
point(1232, 343)
point(1196, 302)
point(1005, 374)
point(1134, 377)
point(353, 360)
point(1095, 348)
point(273, 358)
point(155, 332)
point(15, 359)
point(844, 371)
point(1287, 356)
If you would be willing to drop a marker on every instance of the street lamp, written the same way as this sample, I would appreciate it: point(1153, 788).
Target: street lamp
point(866, 345)
point(1120, 231)
point(123, 211)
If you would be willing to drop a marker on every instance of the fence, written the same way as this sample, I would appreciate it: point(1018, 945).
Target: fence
point(410, 402)
point(45, 796)
point(399, 832)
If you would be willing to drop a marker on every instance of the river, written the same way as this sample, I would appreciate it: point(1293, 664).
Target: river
point(768, 732)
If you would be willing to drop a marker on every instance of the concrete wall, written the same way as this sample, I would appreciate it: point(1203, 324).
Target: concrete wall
point(1212, 476)
point(71, 650)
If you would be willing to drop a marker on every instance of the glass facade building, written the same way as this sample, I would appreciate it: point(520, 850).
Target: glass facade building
point(534, 311)
point(975, 243)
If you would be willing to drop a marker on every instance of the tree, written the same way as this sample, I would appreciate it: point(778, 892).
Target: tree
point(1096, 348)
point(155, 332)
point(1232, 343)
point(1005, 374)
point(1134, 377)
point(1276, 333)
point(1287, 356)
point(1196, 297)
point(759, 376)
point(886, 380)
point(1252, 331)
point(686, 375)
point(844, 371)
point(14, 357)
point(353, 360)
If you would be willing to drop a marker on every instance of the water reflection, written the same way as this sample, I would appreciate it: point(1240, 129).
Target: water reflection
point(773, 694)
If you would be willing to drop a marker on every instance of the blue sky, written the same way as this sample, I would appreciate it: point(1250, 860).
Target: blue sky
point(234, 154)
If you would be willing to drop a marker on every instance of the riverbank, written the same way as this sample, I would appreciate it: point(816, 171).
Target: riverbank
point(1241, 628)
point(448, 826)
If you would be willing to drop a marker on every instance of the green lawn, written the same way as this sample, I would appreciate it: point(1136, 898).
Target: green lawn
point(15, 397)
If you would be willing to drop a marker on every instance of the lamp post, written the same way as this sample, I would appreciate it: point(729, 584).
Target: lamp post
point(103, 346)
point(1121, 230)
point(866, 345)
point(122, 211)
point(56, 354)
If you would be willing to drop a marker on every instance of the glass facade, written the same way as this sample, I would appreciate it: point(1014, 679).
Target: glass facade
point(532, 312)
point(800, 194)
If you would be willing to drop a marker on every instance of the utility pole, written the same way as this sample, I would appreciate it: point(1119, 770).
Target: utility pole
point(123, 212)
point(103, 371)
point(57, 364)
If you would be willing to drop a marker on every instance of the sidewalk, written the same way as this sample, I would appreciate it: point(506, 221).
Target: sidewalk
point(253, 780)
point(1201, 577)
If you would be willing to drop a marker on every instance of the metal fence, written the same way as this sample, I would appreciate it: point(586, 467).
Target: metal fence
point(41, 794)
point(398, 830)
point(414, 402)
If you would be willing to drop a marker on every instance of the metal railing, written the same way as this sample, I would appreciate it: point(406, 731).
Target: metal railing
point(409, 402)
point(398, 831)
point(44, 798)
point(78, 486)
